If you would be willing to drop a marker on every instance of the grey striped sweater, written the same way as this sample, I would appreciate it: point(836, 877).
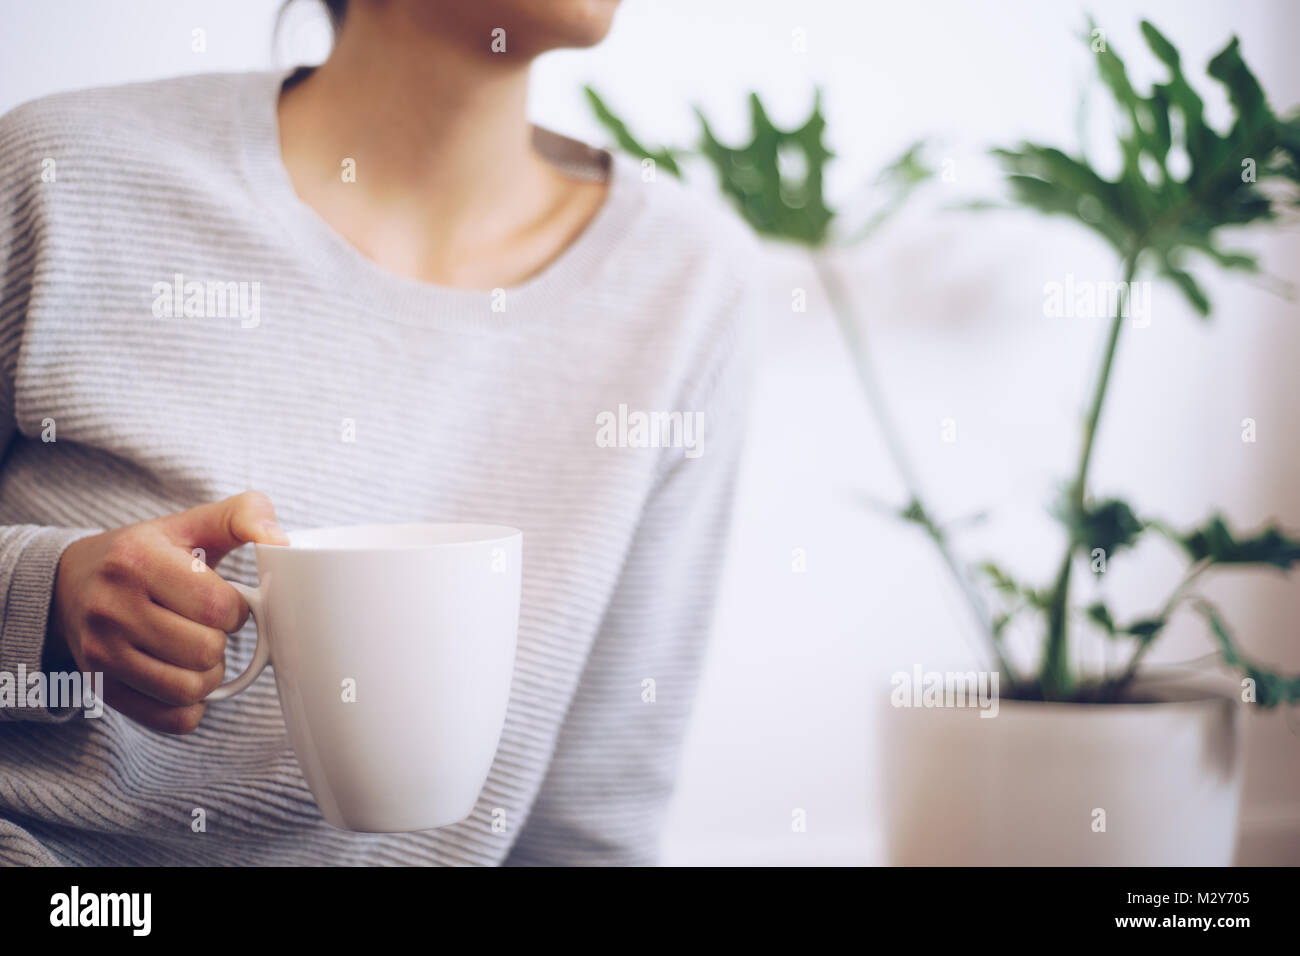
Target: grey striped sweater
point(351, 395)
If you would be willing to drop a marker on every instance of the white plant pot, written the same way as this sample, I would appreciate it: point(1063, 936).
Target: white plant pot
point(1141, 784)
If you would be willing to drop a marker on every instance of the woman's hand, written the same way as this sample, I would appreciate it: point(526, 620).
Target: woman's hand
point(141, 605)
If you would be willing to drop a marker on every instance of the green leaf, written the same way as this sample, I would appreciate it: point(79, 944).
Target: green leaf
point(1146, 629)
point(1217, 543)
point(1101, 616)
point(1005, 584)
point(1036, 182)
point(999, 625)
point(999, 578)
point(785, 203)
point(1189, 287)
point(897, 181)
point(1145, 207)
point(909, 169)
point(1271, 688)
point(1244, 261)
point(1109, 525)
point(1162, 48)
point(1244, 91)
point(663, 158)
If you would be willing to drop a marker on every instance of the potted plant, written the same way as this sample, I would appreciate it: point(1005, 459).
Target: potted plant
point(1103, 767)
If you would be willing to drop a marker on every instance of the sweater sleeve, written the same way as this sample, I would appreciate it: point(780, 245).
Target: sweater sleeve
point(29, 554)
point(612, 773)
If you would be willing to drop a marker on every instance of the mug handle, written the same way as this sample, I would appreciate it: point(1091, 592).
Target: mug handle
point(261, 653)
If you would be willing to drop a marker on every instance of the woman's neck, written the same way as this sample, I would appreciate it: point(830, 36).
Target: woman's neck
point(420, 153)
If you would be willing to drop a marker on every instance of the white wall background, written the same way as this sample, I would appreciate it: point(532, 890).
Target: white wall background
point(799, 664)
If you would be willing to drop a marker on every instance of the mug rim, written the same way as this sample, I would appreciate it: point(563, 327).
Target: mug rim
point(483, 533)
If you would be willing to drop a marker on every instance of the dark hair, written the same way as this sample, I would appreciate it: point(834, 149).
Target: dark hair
point(336, 10)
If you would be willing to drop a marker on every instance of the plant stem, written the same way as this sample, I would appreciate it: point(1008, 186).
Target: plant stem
point(1054, 675)
point(1130, 671)
point(918, 512)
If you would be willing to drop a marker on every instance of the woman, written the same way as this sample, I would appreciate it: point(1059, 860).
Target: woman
point(422, 307)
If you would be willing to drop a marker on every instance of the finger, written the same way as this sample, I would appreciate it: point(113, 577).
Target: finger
point(178, 583)
point(165, 682)
point(222, 526)
point(177, 639)
point(149, 712)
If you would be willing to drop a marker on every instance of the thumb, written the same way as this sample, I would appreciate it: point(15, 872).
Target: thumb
point(222, 526)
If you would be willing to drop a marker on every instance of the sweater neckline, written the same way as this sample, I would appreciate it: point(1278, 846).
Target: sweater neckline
point(351, 274)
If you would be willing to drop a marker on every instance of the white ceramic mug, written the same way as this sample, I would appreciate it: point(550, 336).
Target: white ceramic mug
point(393, 648)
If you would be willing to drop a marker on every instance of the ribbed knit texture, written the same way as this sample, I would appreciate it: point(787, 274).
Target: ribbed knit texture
point(460, 413)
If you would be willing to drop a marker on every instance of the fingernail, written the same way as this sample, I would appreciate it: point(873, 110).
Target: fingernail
point(273, 530)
